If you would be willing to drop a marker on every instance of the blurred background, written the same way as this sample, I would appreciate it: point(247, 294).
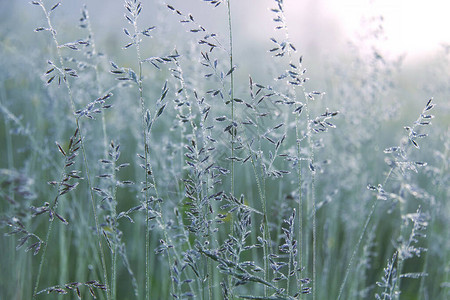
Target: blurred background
point(377, 61)
point(412, 33)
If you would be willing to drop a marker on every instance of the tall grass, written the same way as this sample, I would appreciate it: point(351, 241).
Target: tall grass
point(161, 169)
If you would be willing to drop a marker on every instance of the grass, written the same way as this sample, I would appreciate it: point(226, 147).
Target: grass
point(162, 169)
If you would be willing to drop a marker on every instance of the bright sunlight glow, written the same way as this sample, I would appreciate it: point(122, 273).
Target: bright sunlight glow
point(413, 27)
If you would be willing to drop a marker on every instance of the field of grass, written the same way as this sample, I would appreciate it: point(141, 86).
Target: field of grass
point(159, 162)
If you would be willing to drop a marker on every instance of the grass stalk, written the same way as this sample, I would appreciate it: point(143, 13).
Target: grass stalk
point(313, 198)
point(360, 239)
point(86, 165)
point(230, 32)
point(148, 170)
point(202, 148)
point(233, 130)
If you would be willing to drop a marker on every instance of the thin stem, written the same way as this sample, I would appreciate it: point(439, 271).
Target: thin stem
point(105, 151)
point(61, 61)
point(266, 232)
point(313, 199)
point(41, 263)
point(114, 248)
point(230, 31)
point(363, 232)
point(149, 172)
point(300, 198)
point(301, 205)
point(47, 238)
point(146, 158)
point(260, 183)
point(195, 130)
point(375, 201)
point(233, 129)
point(97, 78)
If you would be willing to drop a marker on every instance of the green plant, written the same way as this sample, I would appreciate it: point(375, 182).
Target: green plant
point(177, 175)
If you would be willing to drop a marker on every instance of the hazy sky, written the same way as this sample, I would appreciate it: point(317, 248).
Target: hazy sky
point(415, 28)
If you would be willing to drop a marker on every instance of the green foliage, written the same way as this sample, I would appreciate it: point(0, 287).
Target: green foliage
point(125, 175)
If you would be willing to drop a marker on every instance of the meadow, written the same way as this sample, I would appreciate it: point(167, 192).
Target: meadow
point(171, 160)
